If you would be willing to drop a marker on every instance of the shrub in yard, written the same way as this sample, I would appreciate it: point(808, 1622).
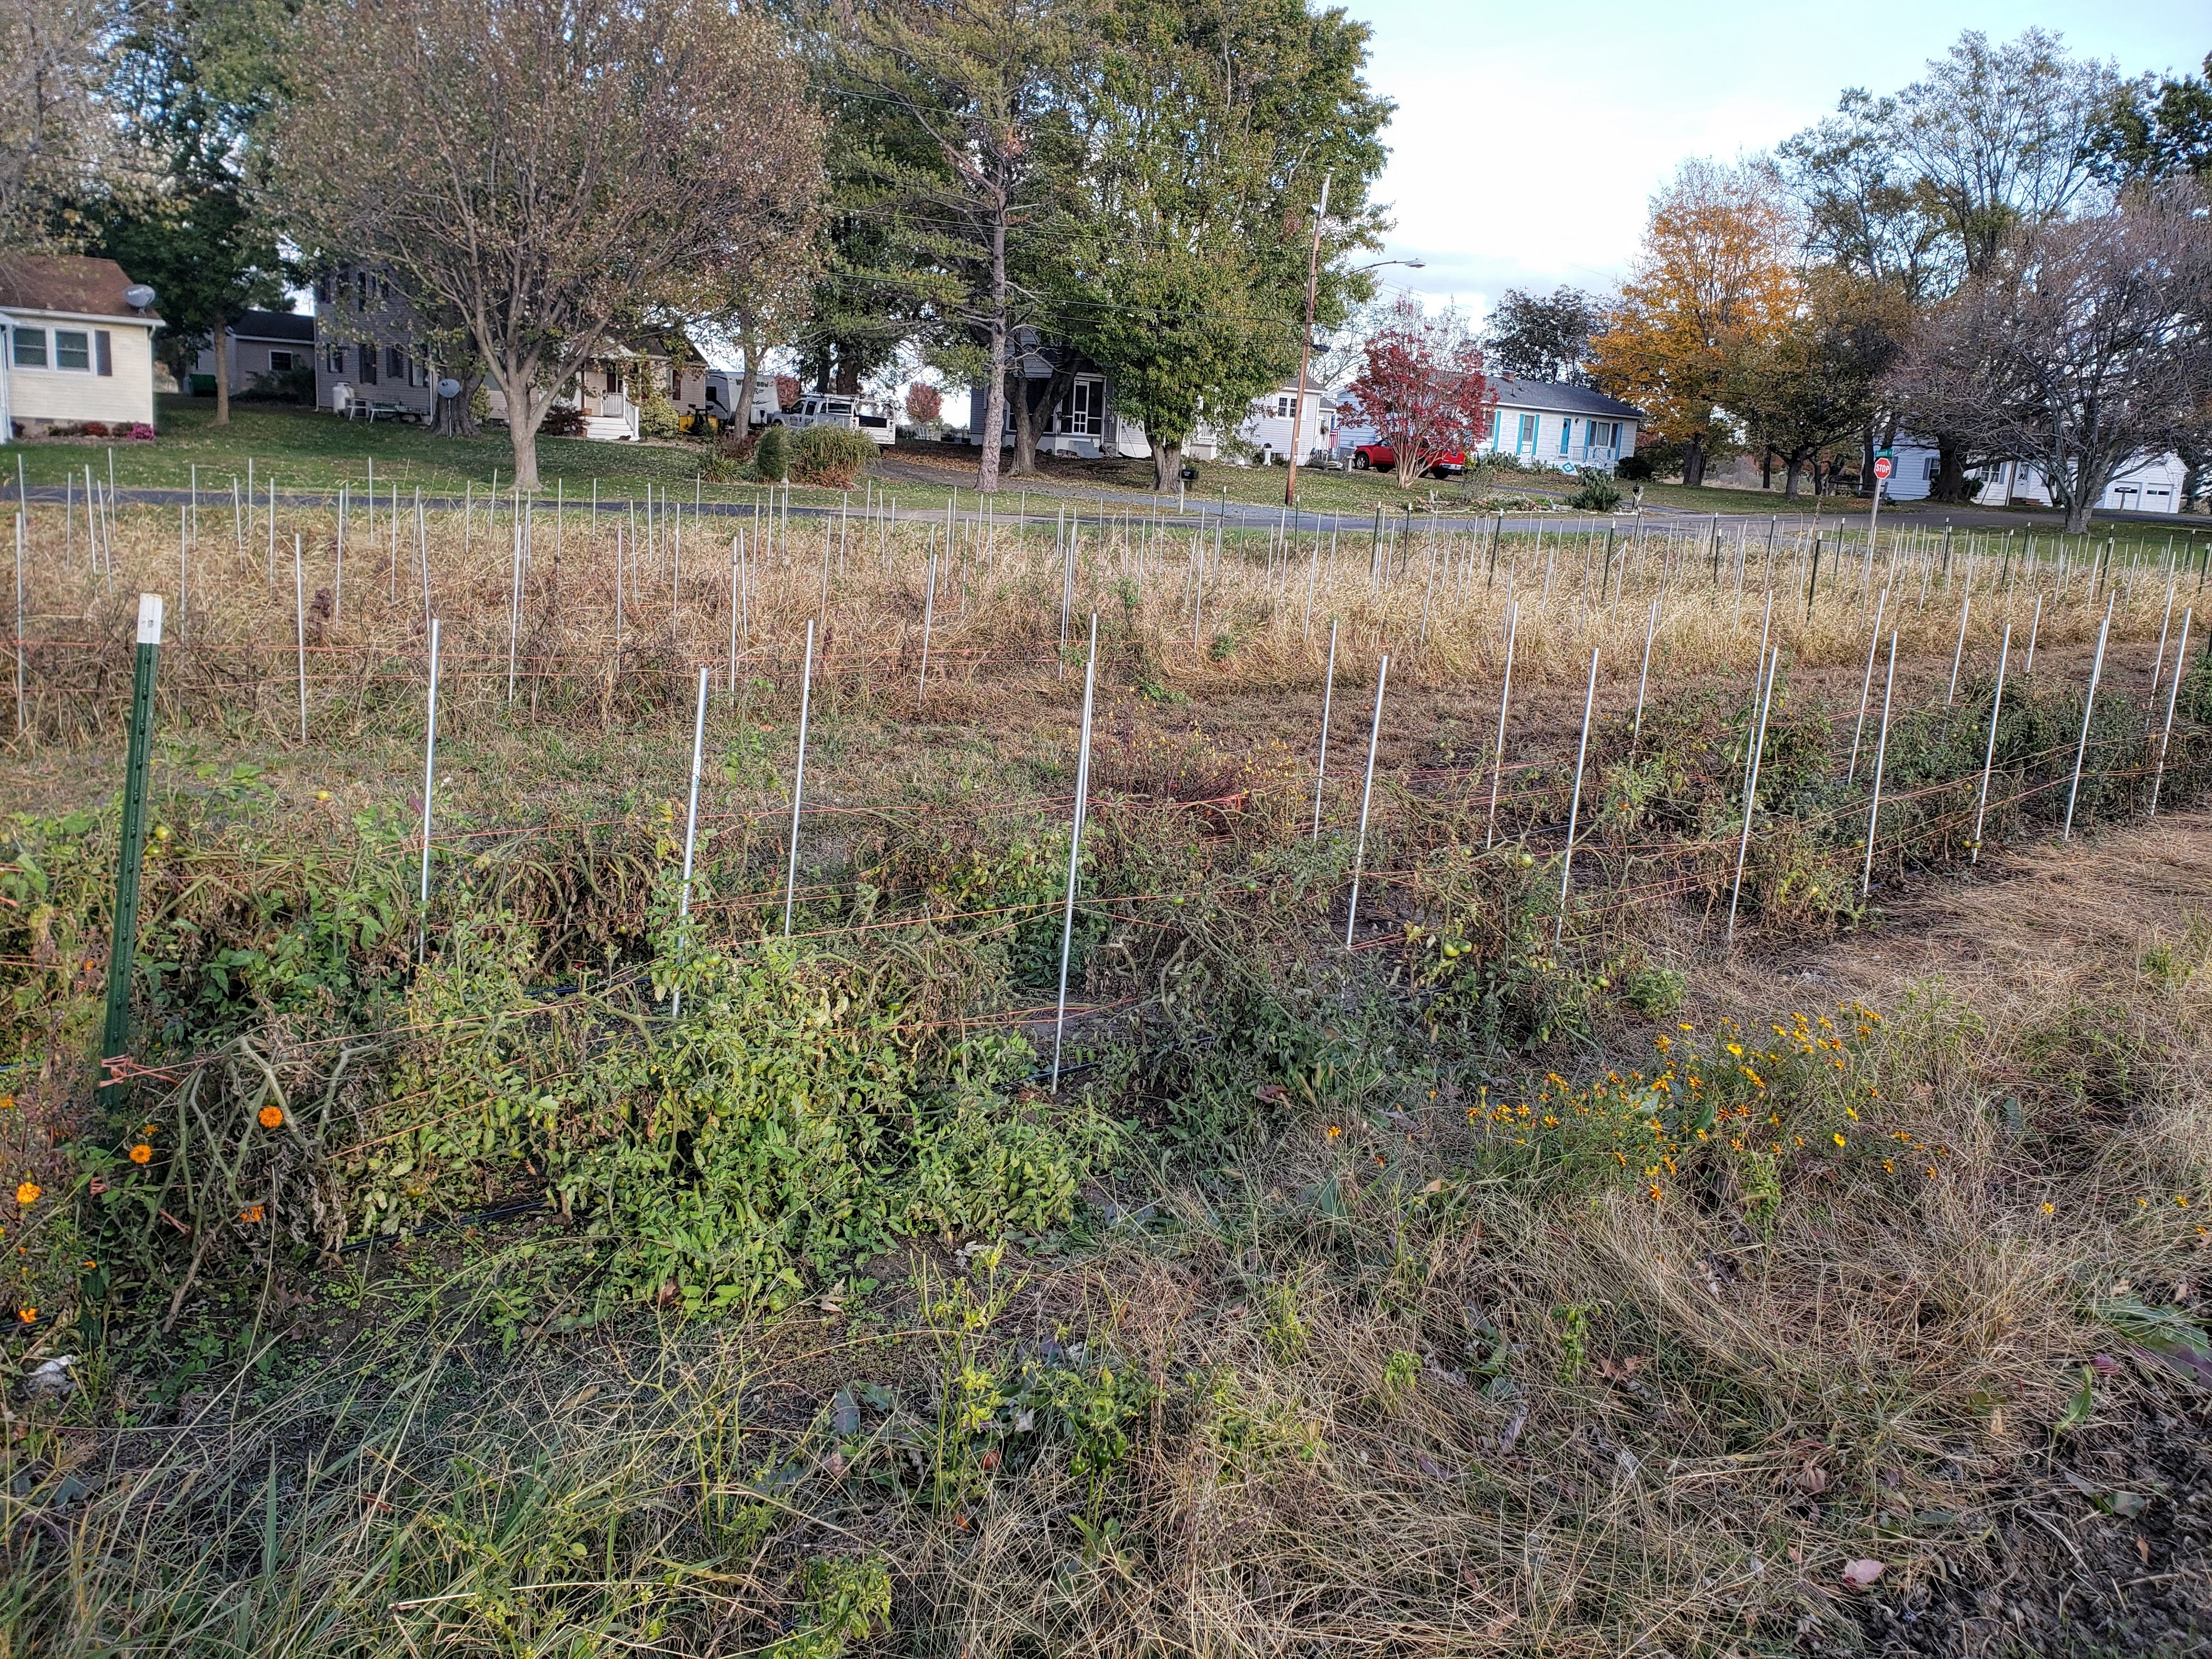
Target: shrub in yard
point(1598, 494)
point(657, 417)
point(772, 458)
point(832, 456)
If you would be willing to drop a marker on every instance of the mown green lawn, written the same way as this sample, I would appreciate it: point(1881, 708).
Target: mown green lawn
point(306, 450)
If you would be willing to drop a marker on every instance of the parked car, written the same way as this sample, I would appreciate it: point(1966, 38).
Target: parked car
point(1380, 457)
point(865, 414)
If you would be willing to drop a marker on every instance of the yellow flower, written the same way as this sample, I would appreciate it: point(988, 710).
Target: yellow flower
point(271, 1117)
point(27, 1192)
point(2049, 1209)
point(142, 1153)
point(2182, 1199)
point(1840, 1140)
point(1333, 1131)
point(28, 1316)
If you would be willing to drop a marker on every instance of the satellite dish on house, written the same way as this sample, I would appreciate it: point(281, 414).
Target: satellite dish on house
point(138, 296)
point(449, 387)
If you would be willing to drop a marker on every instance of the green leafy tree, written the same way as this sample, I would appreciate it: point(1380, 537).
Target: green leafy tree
point(197, 82)
point(2154, 129)
point(1531, 338)
point(954, 129)
point(1207, 130)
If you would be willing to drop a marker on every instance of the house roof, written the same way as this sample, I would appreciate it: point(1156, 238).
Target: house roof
point(292, 327)
point(1563, 399)
point(70, 284)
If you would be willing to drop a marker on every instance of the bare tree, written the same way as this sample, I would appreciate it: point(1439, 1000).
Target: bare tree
point(55, 142)
point(2081, 348)
point(549, 171)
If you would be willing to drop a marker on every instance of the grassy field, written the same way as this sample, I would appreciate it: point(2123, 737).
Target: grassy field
point(305, 450)
point(1655, 1215)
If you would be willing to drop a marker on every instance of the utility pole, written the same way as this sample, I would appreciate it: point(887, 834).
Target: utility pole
point(1306, 353)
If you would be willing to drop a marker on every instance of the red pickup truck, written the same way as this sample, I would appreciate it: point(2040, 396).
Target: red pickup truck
point(1382, 458)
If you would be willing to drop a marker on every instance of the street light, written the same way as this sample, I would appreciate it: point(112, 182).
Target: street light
point(1305, 357)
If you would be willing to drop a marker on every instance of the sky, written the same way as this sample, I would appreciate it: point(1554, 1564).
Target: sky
point(1529, 136)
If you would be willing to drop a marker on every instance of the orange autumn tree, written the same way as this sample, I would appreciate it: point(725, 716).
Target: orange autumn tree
point(1713, 277)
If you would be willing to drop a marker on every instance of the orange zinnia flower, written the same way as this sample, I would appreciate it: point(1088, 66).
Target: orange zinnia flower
point(271, 1116)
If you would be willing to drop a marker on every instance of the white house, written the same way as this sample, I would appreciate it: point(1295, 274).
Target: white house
point(2151, 485)
point(1267, 429)
point(1567, 426)
point(78, 349)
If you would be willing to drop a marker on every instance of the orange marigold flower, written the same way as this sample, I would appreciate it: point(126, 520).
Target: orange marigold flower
point(27, 1192)
point(271, 1116)
point(28, 1316)
point(142, 1153)
point(250, 1214)
point(1333, 1131)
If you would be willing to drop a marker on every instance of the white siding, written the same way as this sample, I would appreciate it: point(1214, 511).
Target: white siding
point(62, 394)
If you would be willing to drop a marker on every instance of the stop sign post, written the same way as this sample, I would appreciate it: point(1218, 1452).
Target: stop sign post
point(1884, 465)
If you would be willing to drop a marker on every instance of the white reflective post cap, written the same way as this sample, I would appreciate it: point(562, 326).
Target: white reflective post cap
point(149, 619)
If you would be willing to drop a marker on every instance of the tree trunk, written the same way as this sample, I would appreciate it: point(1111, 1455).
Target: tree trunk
point(1789, 478)
point(1866, 465)
point(995, 394)
point(1766, 467)
point(748, 388)
point(1950, 483)
point(1693, 462)
point(450, 417)
point(222, 374)
point(2077, 517)
point(1023, 463)
point(2193, 476)
point(525, 409)
point(1034, 402)
point(1167, 464)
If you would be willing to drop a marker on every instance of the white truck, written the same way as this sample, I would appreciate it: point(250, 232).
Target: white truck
point(834, 408)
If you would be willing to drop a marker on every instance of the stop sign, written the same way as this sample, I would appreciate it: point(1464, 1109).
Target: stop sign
point(1882, 466)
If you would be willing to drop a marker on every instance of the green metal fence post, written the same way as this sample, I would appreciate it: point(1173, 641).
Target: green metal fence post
point(122, 948)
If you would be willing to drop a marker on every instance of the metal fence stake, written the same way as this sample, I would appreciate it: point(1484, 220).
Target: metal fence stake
point(123, 942)
point(1762, 702)
point(799, 779)
point(1880, 756)
point(690, 827)
point(2088, 709)
point(1575, 808)
point(1366, 797)
point(928, 615)
point(1505, 698)
point(1075, 850)
point(1990, 756)
point(429, 782)
point(300, 632)
point(1328, 691)
point(2173, 692)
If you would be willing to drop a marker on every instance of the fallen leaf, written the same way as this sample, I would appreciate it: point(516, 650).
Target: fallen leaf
point(1860, 1574)
point(1812, 1479)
